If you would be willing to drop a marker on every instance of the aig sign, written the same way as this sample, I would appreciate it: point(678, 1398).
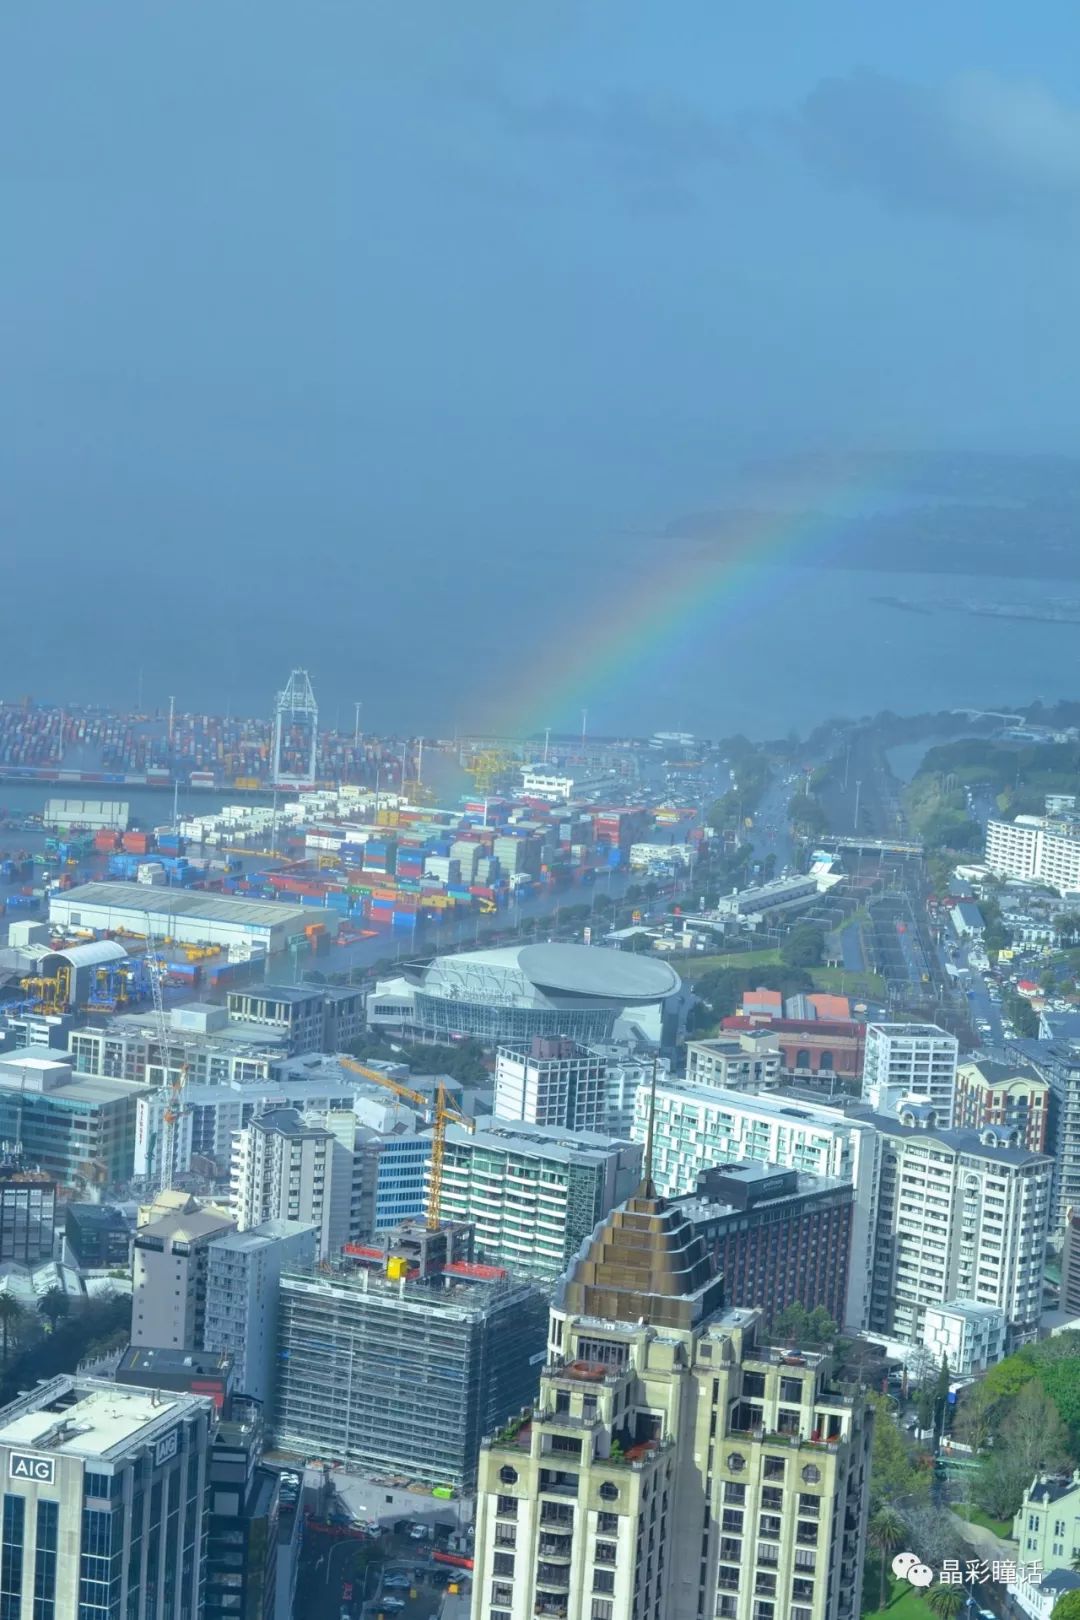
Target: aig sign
point(24, 1465)
point(166, 1449)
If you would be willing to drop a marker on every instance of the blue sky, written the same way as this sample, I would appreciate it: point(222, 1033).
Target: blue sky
point(376, 284)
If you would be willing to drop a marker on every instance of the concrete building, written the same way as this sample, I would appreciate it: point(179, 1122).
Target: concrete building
point(1047, 1523)
point(696, 1127)
point(969, 1337)
point(674, 1466)
point(778, 1237)
point(78, 1130)
point(1004, 1095)
point(1058, 1062)
point(285, 1167)
point(909, 1060)
point(89, 1469)
point(1070, 1264)
point(308, 1019)
point(748, 1060)
point(187, 1372)
point(188, 916)
point(816, 1049)
point(400, 1377)
point(551, 1082)
point(168, 1278)
point(1037, 849)
point(961, 1216)
point(509, 996)
point(243, 1274)
point(242, 1522)
point(210, 1046)
point(534, 1194)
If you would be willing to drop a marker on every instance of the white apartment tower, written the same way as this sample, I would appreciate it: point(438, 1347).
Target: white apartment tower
point(552, 1082)
point(242, 1292)
point(695, 1126)
point(168, 1277)
point(285, 1168)
point(910, 1060)
point(674, 1468)
point(1037, 848)
point(962, 1217)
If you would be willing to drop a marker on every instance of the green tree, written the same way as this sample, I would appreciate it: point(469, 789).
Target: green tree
point(804, 947)
point(885, 1532)
point(53, 1306)
point(945, 1601)
point(975, 1416)
point(11, 1313)
point(1067, 1607)
point(895, 1477)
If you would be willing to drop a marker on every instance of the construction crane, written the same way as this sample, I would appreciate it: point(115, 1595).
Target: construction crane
point(488, 767)
point(174, 1078)
point(445, 1114)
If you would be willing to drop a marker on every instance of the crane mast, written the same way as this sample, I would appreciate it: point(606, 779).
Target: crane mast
point(174, 1079)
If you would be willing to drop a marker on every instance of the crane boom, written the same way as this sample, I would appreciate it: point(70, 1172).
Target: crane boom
point(175, 1082)
point(445, 1113)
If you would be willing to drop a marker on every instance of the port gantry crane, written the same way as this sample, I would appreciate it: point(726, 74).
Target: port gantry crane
point(445, 1114)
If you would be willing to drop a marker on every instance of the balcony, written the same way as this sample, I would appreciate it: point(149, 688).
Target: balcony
point(550, 1607)
point(558, 1547)
point(558, 1484)
point(550, 1579)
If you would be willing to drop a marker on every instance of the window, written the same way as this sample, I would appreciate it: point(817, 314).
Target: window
point(603, 1580)
point(774, 1468)
point(506, 1507)
point(609, 1492)
point(11, 1562)
point(811, 1474)
point(508, 1475)
point(602, 1609)
point(735, 1494)
point(48, 1516)
point(607, 1524)
point(503, 1564)
point(736, 1462)
point(606, 1552)
point(501, 1594)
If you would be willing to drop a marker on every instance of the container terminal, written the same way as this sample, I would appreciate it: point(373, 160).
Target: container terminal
point(212, 900)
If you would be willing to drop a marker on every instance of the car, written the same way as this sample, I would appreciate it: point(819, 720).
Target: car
point(392, 1582)
point(419, 1532)
point(392, 1604)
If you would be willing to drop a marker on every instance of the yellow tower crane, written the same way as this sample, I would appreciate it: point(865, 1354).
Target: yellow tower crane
point(488, 767)
point(445, 1114)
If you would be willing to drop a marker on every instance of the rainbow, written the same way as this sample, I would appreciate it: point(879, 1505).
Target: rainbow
point(658, 610)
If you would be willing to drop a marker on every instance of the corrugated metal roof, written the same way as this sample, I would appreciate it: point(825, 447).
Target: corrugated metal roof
point(93, 954)
point(169, 902)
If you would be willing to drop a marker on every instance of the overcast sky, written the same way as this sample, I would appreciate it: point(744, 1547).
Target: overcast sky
point(439, 273)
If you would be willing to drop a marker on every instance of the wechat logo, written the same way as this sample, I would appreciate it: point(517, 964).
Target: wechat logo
point(908, 1566)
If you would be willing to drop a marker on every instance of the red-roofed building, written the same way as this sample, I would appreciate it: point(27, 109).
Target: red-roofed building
point(824, 1048)
point(762, 1003)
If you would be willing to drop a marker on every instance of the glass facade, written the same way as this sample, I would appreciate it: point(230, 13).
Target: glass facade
point(48, 1520)
point(12, 1541)
point(441, 1017)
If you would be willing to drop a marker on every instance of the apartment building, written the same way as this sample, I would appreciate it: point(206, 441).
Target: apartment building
point(168, 1277)
point(553, 1082)
point(307, 1019)
point(77, 1129)
point(1006, 1095)
point(1058, 1063)
point(695, 1127)
point(534, 1194)
point(285, 1167)
point(910, 1060)
point(1039, 849)
point(746, 1060)
point(201, 1038)
point(961, 1216)
point(674, 1467)
point(243, 1273)
point(969, 1337)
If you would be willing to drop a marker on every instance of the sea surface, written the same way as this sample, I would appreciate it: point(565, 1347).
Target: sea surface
point(778, 651)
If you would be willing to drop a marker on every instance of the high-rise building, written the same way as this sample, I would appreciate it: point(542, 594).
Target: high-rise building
point(1070, 1264)
point(534, 1193)
point(241, 1524)
point(1037, 848)
point(104, 1502)
point(961, 1216)
point(551, 1082)
point(27, 1214)
point(308, 1019)
point(910, 1060)
point(695, 1127)
point(778, 1237)
point(287, 1168)
point(402, 1368)
point(243, 1275)
point(745, 1060)
point(674, 1466)
point(75, 1128)
point(1006, 1095)
point(1058, 1062)
point(168, 1277)
point(97, 1237)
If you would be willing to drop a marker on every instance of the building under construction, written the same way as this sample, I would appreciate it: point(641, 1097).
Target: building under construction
point(401, 1359)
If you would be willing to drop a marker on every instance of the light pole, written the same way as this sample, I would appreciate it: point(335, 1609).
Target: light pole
point(858, 790)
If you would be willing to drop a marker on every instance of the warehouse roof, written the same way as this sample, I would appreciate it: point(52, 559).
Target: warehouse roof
point(93, 954)
point(170, 902)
